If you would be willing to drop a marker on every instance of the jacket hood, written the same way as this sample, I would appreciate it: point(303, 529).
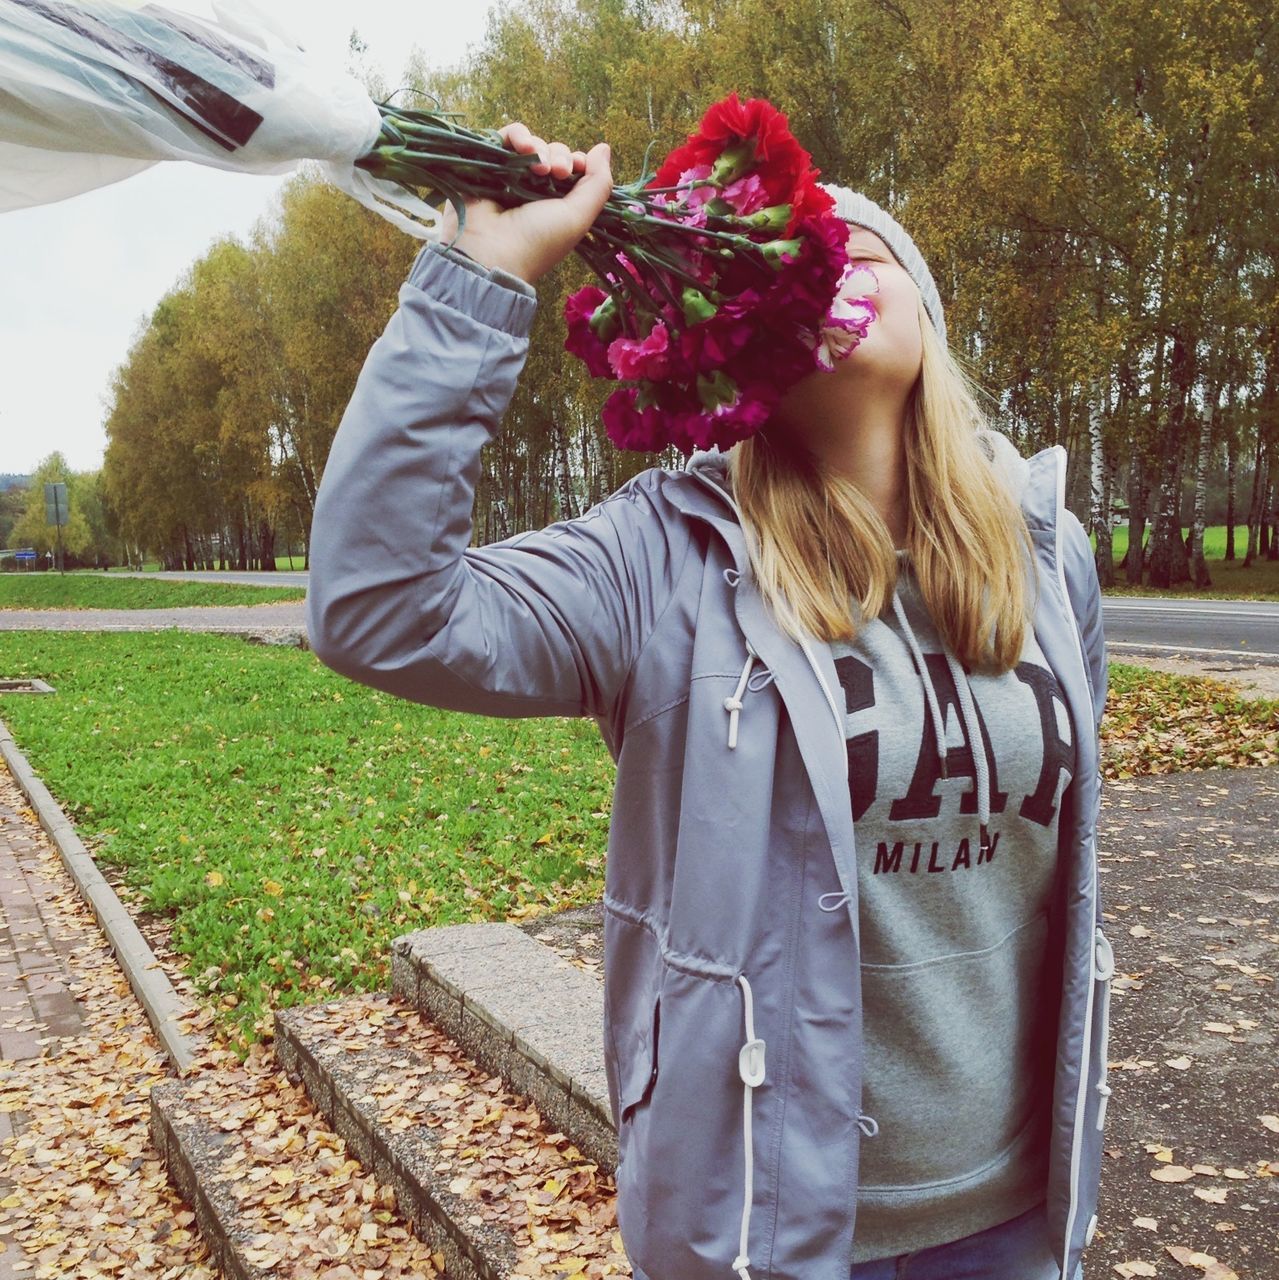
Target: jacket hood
point(1014, 469)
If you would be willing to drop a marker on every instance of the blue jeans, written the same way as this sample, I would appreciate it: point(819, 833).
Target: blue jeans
point(1013, 1250)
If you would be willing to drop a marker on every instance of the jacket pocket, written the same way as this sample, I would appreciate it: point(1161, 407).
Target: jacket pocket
point(1103, 972)
point(632, 990)
point(640, 1073)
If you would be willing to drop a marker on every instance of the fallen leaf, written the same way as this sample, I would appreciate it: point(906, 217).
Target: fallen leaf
point(1189, 1257)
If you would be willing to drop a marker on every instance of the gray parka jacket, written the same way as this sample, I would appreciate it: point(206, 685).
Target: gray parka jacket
point(733, 1035)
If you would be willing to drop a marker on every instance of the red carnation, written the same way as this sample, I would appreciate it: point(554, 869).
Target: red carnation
point(780, 162)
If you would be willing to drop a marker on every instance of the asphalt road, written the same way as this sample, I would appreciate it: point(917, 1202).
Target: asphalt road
point(1207, 628)
point(1210, 628)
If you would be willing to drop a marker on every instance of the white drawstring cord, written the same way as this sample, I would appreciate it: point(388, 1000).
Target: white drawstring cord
point(964, 692)
point(733, 703)
point(750, 1066)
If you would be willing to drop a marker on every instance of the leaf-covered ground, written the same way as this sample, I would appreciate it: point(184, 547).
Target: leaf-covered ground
point(93, 591)
point(1189, 873)
point(1156, 722)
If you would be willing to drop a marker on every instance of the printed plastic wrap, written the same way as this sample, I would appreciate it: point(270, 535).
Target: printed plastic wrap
point(93, 91)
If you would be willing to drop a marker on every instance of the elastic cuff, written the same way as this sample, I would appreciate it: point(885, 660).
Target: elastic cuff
point(470, 287)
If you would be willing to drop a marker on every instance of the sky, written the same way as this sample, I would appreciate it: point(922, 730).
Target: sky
point(79, 278)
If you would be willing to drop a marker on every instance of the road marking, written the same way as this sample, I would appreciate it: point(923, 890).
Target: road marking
point(1194, 610)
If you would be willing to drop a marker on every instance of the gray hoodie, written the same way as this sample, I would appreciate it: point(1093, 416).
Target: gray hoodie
point(955, 783)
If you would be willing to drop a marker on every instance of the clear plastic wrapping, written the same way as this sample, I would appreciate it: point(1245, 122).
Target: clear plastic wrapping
point(92, 91)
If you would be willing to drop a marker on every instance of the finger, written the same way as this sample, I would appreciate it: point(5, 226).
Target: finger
point(520, 138)
point(579, 161)
point(560, 159)
point(591, 191)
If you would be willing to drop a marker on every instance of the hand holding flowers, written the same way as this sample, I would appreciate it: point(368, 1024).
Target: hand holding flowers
point(529, 239)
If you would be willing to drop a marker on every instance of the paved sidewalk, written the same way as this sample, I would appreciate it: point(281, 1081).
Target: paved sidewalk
point(35, 969)
point(83, 1192)
point(269, 620)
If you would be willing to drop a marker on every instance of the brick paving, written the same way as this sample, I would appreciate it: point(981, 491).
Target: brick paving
point(36, 1004)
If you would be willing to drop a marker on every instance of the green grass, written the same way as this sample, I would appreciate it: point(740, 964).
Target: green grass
point(1230, 580)
point(95, 591)
point(294, 822)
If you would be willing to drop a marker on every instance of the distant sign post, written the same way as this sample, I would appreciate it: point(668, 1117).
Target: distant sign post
point(55, 511)
point(25, 556)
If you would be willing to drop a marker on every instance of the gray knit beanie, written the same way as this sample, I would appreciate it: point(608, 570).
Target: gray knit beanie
point(861, 211)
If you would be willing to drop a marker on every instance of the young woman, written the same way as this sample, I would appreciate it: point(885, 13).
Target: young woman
point(852, 673)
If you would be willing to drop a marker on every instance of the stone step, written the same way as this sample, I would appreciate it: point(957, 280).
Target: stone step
point(194, 1150)
point(395, 1093)
point(480, 1186)
point(522, 1011)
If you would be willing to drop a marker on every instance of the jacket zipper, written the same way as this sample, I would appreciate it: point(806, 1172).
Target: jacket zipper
point(1077, 1132)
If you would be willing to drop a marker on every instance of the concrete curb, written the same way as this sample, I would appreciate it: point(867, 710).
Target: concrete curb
point(164, 1007)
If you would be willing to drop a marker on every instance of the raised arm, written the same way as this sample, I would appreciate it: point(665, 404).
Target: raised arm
point(548, 622)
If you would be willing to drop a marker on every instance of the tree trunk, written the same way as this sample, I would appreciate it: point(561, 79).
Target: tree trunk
point(1260, 479)
point(1232, 474)
point(266, 544)
point(1138, 506)
point(1167, 551)
point(1199, 566)
point(1099, 487)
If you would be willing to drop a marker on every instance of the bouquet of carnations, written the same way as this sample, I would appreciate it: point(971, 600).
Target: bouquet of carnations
point(724, 276)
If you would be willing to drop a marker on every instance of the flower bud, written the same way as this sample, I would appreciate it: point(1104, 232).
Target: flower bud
point(697, 306)
point(733, 162)
point(719, 389)
point(773, 218)
point(605, 323)
point(774, 250)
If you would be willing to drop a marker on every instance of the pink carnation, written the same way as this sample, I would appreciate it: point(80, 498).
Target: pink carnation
point(646, 357)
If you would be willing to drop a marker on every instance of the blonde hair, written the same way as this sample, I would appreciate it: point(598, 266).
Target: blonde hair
point(823, 557)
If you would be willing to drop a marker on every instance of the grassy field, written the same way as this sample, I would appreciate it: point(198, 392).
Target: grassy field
point(94, 591)
point(1230, 580)
point(293, 823)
